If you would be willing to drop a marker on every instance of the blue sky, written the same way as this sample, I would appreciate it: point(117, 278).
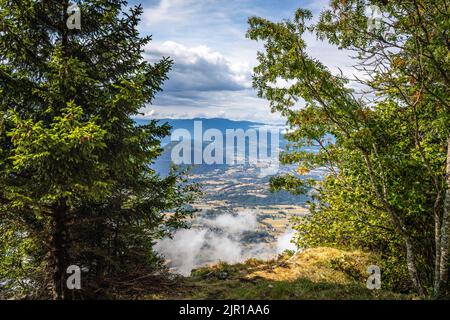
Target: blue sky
point(213, 59)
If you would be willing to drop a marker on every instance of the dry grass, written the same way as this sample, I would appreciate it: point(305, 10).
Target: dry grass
point(317, 265)
point(319, 273)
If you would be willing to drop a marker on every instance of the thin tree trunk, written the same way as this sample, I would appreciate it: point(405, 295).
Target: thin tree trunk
point(445, 240)
point(58, 253)
point(399, 227)
point(437, 210)
point(438, 249)
point(412, 269)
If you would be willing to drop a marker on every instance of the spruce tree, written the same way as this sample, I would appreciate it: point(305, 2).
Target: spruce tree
point(76, 187)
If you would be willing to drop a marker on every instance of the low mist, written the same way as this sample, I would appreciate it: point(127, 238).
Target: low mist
point(223, 237)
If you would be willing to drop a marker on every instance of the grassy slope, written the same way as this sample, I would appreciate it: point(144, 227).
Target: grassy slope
point(320, 273)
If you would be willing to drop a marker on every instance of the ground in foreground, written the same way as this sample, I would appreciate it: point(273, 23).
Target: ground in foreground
point(319, 273)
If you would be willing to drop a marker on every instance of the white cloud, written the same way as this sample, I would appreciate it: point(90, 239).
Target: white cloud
point(219, 238)
point(233, 224)
point(169, 11)
point(284, 242)
point(213, 59)
point(212, 240)
point(205, 83)
point(200, 68)
point(234, 105)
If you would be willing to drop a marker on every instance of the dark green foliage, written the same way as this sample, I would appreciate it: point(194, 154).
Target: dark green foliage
point(76, 186)
point(387, 187)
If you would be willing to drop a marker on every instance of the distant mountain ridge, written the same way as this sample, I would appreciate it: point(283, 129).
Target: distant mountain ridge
point(221, 124)
point(208, 123)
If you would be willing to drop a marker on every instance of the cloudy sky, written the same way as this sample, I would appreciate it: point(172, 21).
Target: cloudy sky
point(213, 59)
